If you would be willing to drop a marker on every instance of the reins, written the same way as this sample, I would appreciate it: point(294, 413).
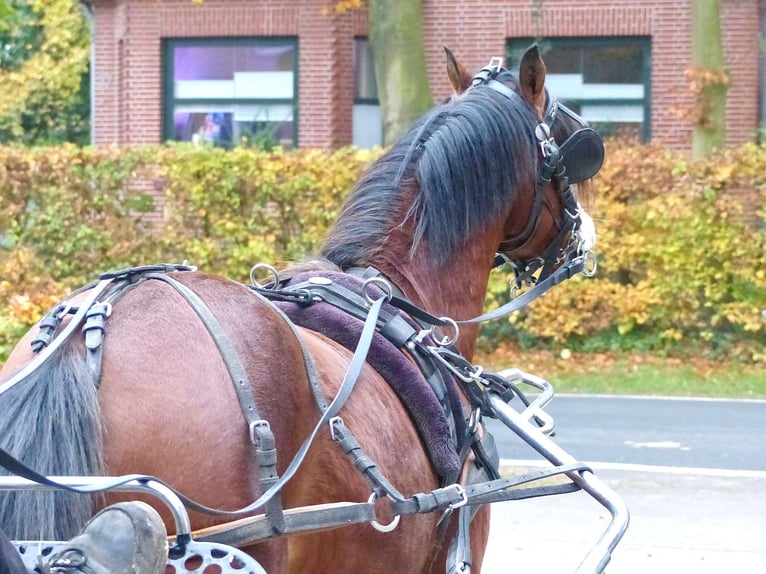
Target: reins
point(277, 521)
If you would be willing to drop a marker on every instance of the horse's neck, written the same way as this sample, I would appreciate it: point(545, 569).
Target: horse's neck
point(456, 290)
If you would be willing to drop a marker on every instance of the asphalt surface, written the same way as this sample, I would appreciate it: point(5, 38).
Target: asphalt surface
point(691, 471)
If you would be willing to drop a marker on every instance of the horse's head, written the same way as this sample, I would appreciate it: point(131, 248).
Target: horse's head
point(548, 226)
point(487, 171)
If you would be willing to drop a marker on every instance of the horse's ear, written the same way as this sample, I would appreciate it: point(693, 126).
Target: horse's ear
point(532, 79)
point(458, 76)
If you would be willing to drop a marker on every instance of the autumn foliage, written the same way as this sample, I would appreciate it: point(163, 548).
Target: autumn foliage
point(682, 259)
point(682, 245)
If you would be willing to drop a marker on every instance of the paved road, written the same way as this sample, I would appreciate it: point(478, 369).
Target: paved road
point(692, 472)
point(703, 433)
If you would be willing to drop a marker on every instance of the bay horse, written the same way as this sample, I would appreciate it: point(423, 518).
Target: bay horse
point(154, 394)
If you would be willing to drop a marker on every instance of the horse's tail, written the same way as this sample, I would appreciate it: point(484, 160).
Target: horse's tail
point(51, 422)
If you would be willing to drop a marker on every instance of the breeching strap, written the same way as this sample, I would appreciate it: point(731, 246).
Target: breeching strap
point(260, 431)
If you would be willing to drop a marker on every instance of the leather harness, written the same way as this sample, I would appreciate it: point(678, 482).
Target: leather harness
point(483, 488)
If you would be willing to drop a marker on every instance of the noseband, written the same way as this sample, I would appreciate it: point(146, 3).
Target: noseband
point(577, 159)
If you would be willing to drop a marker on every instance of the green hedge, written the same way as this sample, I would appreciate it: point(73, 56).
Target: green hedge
point(681, 245)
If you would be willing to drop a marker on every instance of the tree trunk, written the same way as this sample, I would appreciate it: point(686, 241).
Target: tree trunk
point(709, 77)
point(396, 41)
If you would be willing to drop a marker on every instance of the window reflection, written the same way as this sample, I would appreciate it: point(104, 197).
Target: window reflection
point(603, 79)
point(233, 92)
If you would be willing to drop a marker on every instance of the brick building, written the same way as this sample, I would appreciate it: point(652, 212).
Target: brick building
point(285, 70)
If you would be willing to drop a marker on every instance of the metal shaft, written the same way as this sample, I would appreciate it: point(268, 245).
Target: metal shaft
point(599, 556)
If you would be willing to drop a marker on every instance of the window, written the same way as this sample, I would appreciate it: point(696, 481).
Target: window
point(231, 91)
point(367, 123)
point(605, 80)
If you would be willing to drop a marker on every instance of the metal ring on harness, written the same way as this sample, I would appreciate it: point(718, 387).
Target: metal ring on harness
point(270, 269)
point(377, 525)
point(446, 340)
point(62, 311)
point(382, 284)
point(590, 264)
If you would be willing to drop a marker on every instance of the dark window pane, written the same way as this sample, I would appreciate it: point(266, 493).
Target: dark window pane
point(620, 64)
point(604, 77)
point(365, 87)
point(563, 61)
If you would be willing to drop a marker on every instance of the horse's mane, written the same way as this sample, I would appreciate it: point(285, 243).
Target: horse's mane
point(457, 169)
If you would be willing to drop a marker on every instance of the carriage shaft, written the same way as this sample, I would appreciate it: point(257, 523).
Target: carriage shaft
point(92, 484)
point(599, 556)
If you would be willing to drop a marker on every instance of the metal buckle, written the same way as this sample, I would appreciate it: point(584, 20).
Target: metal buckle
point(254, 438)
point(460, 491)
point(495, 62)
point(62, 311)
point(332, 422)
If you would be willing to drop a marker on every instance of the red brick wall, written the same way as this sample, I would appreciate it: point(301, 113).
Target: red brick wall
point(742, 50)
point(128, 33)
point(128, 61)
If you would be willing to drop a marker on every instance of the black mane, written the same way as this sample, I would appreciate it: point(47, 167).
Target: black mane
point(464, 161)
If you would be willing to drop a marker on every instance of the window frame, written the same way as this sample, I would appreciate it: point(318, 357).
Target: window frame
point(169, 101)
point(584, 42)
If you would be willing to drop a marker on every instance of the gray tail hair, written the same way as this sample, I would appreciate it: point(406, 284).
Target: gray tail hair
point(51, 422)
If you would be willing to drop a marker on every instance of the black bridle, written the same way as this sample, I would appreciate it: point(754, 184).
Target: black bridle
point(577, 159)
